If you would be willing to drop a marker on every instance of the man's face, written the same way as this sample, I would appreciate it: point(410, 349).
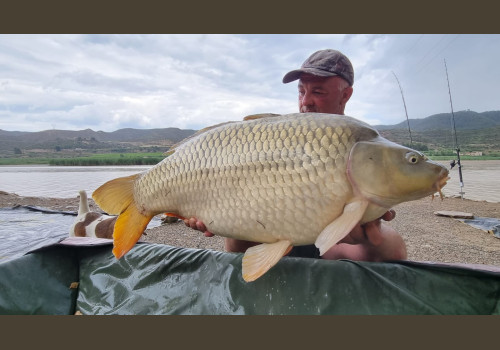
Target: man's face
point(323, 95)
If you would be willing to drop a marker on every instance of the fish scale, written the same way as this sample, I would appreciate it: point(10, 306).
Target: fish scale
point(282, 180)
point(295, 173)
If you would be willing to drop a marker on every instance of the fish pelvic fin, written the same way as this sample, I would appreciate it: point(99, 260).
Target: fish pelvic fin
point(341, 226)
point(117, 197)
point(129, 227)
point(260, 258)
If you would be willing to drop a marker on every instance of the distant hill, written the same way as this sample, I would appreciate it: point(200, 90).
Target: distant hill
point(119, 140)
point(464, 120)
point(475, 131)
point(122, 135)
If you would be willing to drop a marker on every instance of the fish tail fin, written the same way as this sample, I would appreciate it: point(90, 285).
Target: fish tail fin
point(117, 197)
point(129, 227)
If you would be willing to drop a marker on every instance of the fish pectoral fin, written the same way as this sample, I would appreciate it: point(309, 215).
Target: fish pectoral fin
point(260, 258)
point(129, 227)
point(341, 226)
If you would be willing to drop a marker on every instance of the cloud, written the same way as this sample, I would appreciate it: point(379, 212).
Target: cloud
point(107, 82)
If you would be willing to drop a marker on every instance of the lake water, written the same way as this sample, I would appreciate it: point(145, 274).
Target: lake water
point(60, 181)
point(481, 180)
point(22, 230)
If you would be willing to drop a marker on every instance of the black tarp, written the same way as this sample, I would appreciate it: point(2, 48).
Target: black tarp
point(160, 279)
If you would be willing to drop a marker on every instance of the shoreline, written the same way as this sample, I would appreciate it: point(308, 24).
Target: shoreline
point(428, 237)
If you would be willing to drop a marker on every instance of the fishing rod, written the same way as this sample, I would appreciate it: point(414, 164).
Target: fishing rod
point(454, 131)
point(406, 112)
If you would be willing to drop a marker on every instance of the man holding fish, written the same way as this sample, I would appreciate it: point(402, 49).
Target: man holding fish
point(283, 181)
point(325, 86)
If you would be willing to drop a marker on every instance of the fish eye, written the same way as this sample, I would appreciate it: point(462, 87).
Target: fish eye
point(412, 157)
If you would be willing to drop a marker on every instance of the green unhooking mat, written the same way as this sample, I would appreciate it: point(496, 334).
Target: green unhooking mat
point(160, 279)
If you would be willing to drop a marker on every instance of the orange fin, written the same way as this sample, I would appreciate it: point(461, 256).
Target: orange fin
point(117, 197)
point(175, 216)
point(260, 258)
point(129, 227)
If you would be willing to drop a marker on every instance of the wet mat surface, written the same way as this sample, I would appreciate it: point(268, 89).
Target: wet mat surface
point(490, 225)
point(23, 229)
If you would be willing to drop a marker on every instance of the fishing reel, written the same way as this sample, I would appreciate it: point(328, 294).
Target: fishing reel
point(453, 163)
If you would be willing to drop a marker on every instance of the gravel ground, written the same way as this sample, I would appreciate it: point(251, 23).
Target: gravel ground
point(428, 237)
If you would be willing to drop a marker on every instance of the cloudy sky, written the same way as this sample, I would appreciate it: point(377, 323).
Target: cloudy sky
point(109, 82)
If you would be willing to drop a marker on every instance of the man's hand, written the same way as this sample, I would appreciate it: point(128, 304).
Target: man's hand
point(196, 224)
point(370, 232)
point(372, 241)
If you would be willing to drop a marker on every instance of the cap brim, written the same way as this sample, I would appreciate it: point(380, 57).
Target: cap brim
point(295, 74)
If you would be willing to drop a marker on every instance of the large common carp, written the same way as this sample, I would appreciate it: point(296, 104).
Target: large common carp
point(282, 180)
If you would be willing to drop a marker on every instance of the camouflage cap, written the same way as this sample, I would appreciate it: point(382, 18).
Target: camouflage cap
point(324, 63)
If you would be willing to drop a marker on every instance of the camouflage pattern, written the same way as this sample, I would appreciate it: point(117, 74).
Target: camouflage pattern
point(324, 63)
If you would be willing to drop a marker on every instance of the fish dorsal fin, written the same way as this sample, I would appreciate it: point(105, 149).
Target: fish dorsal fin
point(259, 116)
point(341, 226)
point(260, 258)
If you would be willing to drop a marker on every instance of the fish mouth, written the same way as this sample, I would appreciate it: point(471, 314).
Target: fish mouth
point(441, 183)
